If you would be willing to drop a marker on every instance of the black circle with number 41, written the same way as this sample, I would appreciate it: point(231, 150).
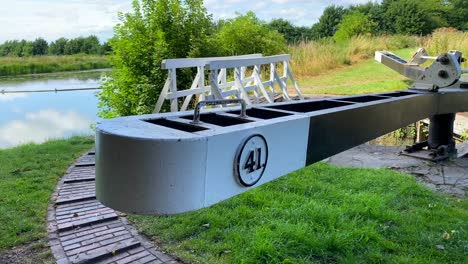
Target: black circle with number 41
point(251, 160)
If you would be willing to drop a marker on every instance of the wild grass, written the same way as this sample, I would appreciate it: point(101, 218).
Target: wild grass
point(28, 175)
point(368, 76)
point(321, 214)
point(310, 59)
point(328, 68)
point(10, 66)
point(446, 39)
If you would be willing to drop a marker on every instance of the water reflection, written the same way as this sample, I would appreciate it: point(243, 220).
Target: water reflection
point(36, 117)
point(39, 126)
point(12, 96)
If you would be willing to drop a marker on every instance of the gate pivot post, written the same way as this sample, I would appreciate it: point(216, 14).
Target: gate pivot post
point(441, 132)
point(440, 143)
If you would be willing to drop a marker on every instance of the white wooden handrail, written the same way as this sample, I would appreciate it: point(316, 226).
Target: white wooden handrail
point(249, 88)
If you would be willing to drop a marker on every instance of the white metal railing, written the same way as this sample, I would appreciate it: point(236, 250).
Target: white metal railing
point(253, 83)
point(170, 90)
point(219, 87)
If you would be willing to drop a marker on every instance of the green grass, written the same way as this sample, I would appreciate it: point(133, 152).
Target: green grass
point(369, 76)
point(28, 175)
point(11, 66)
point(321, 214)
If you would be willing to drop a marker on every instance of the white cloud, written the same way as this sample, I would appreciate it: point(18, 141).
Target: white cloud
point(52, 19)
point(30, 19)
point(41, 126)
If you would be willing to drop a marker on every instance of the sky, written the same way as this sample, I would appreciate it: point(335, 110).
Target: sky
point(52, 19)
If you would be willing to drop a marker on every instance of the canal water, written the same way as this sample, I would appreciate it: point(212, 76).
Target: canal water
point(38, 116)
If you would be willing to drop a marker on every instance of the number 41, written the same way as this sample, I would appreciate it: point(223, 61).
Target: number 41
point(252, 164)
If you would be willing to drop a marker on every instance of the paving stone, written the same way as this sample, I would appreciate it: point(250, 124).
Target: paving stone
point(114, 239)
point(97, 239)
point(114, 257)
point(101, 252)
point(84, 215)
point(79, 211)
point(87, 221)
point(163, 257)
point(133, 258)
point(84, 205)
point(74, 199)
point(116, 231)
point(450, 176)
point(79, 231)
point(149, 259)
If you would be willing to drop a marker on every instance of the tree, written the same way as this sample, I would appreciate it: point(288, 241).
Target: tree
point(414, 17)
point(40, 47)
point(328, 22)
point(457, 14)
point(246, 34)
point(105, 48)
point(74, 46)
point(90, 45)
point(374, 12)
point(26, 48)
point(58, 47)
point(291, 33)
point(353, 24)
point(155, 30)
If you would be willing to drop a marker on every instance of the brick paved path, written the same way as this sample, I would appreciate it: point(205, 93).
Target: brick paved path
point(82, 230)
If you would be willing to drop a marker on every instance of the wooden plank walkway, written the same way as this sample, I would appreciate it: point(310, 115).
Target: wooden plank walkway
point(82, 230)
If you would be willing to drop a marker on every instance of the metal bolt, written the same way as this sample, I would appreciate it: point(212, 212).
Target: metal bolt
point(443, 74)
point(443, 59)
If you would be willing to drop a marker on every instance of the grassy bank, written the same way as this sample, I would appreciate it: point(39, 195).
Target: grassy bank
point(347, 69)
point(28, 175)
point(10, 66)
point(321, 214)
point(368, 76)
point(312, 58)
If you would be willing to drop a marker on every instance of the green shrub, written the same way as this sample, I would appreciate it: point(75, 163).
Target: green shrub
point(155, 30)
point(246, 34)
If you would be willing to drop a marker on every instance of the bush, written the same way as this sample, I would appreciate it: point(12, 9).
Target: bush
point(353, 24)
point(246, 34)
point(156, 30)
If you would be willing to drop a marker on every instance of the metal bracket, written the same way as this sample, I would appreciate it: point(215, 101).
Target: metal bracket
point(196, 115)
point(445, 71)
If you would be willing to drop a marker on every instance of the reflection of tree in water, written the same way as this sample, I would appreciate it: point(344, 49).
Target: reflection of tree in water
point(93, 75)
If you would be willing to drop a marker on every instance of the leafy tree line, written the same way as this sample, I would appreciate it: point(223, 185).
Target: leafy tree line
point(62, 46)
point(406, 17)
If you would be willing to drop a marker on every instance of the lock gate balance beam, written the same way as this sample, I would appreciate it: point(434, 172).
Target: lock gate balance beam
point(168, 164)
